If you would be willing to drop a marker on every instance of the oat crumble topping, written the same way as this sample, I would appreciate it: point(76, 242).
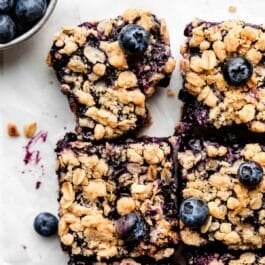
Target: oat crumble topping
point(107, 89)
point(236, 213)
point(209, 45)
point(100, 183)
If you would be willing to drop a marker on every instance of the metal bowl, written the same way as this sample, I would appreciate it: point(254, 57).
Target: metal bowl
point(28, 34)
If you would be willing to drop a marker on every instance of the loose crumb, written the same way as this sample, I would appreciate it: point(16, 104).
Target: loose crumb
point(232, 9)
point(12, 130)
point(30, 129)
point(170, 92)
point(51, 82)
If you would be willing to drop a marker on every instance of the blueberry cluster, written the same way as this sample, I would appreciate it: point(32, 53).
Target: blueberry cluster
point(18, 16)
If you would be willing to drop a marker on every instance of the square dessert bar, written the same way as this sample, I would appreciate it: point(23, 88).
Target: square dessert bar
point(222, 190)
point(217, 257)
point(117, 200)
point(223, 71)
point(107, 69)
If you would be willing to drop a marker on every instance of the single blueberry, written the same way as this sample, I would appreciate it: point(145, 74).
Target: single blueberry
point(193, 212)
point(250, 174)
point(133, 39)
point(6, 5)
point(131, 227)
point(70, 137)
point(28, 11)
point(237, 71)
point(46, 224)
point(7, 29)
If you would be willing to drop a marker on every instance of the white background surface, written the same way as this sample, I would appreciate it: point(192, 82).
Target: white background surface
point(30, 92)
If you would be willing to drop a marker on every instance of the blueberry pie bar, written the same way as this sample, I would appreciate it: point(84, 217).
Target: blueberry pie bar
point(222, 191)
point(108, 68)
point(214, 257)
point(223, 70)
point(117, 200)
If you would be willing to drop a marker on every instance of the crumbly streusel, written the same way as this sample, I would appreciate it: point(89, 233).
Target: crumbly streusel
point(107, 89)
point(209, 45)
point(100, 183)
point(236, 213)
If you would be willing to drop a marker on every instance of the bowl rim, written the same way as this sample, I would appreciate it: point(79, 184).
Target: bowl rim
point(25, 36)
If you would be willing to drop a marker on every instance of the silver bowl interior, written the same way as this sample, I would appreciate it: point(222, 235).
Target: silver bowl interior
point(28, 34)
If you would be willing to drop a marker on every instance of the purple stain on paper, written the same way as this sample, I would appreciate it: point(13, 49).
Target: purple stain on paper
point(31, 155)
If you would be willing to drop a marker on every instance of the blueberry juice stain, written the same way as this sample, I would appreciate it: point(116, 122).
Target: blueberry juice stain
point(31, 155)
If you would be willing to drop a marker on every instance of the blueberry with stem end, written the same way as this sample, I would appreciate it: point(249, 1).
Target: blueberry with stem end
point(133, 39)
point(193, 212)
point(131, 227)
point(250, 173)
point(237, 71)
point(46, 224)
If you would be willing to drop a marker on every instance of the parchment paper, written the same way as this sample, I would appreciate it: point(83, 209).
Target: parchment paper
point(30, 92)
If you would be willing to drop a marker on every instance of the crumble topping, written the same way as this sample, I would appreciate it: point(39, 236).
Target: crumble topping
point(100, 183)
point(236, 213)
point(208, 46)
point(101, 81)
point(111, 112)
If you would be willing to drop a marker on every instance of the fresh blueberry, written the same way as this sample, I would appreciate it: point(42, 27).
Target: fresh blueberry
point(46, 224)
point(193, 212)
point(6, 5)
point(70, 137)
point(250, 174)
point(131, 227)
point(28, 11)
point(133, 39)
point(7, 28)
point(237, 71)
